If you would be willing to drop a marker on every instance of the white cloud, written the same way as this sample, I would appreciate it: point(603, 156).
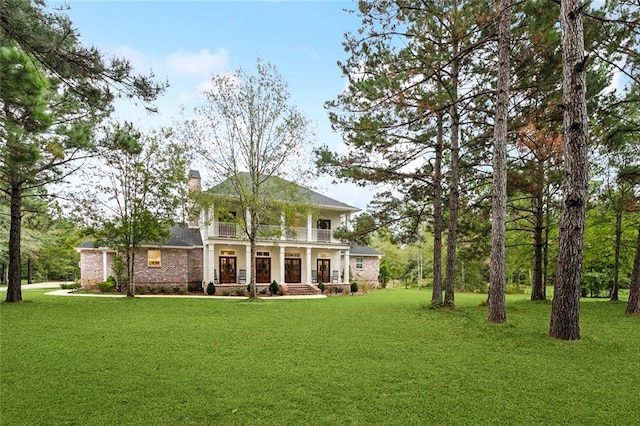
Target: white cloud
point(200, 64)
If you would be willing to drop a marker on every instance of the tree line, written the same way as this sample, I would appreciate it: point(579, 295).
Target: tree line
point(489, 120)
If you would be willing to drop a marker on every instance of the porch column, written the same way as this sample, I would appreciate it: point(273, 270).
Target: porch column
point(308, 268)
point(211, 261)
point(247, 262)
point(104, 265)
point(205, 263)
point(282, 276)
point(309, 229)
point(346, 266)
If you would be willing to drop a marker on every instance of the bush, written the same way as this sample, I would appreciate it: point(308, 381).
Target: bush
point(70, 286)
point(274, 288)
point(514, 289)
point(239, 292)
point(195, 287)
point(321, 286)
point(263, 291)
point(354, 287)
point(211, 289)
point(106, 286)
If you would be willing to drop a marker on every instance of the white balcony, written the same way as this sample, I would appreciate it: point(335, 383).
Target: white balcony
point(271, 232)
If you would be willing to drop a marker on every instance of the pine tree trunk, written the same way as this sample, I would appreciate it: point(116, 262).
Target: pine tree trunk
point(633, 305)
point(496, 303)
point(14, 289)
point(614, 297)
point(565, 308)
point(436, 298)
point(452, 237)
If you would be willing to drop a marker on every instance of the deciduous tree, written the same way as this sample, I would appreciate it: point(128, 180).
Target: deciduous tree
point(248, 134)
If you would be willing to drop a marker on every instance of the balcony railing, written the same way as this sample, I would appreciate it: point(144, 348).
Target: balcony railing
point(270, 232)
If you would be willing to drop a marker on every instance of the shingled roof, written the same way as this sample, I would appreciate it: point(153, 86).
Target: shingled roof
point(179, 236)
point(357, 250)
point(304, 193)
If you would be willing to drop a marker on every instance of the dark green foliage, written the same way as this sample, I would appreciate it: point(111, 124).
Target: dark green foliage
point(274, 288)
point(354, 287)
point(594, 283)
point(321, 286)
point(211, 289)
point(194, 287)
point(106, 286)
point(383, 275)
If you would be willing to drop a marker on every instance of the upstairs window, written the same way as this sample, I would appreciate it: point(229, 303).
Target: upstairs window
point(154, 258)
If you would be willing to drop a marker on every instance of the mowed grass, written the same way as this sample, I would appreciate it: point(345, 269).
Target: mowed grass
point(383, 358)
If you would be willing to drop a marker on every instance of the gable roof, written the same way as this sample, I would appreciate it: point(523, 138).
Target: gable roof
point(180, 235)
point(224, 188)
point(357, 250)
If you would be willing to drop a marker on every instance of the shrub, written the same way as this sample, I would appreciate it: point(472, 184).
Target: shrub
point(195, 287)
point(225, 292)
point(263, 291)
point(106, 286)
point(163, 289)
point(211, 289)
point(354, 287)
point(239, 292)
point(274, 288)
point(514, 289)
point(321, 286)
point(70, 286)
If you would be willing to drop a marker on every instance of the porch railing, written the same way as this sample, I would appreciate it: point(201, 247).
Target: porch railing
point(271, 232)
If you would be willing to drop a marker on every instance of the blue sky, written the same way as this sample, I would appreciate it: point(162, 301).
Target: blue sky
point(185, 42)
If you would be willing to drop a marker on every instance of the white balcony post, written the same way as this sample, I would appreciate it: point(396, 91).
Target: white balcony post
point(309, 229)
point(283, 229)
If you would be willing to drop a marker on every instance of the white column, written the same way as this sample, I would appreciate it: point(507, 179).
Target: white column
point(346, 266)
point(104, 265)
point(282, 279)
point(308, 266)
point(205, 264)
point(211, 260)
point(309, 229)
point(248, 263)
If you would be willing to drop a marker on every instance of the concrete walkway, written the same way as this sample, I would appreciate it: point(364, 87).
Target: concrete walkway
point(53, 284)
point(183, 296)
point(62, 292)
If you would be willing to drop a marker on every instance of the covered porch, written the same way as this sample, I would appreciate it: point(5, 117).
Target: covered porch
point(227, 263)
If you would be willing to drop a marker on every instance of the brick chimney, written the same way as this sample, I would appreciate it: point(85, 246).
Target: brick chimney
point(195, 185)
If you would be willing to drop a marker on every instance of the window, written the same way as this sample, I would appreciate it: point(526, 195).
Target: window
point(227, 252)
point(154, 258)
point(263, 254)
point(359, 262)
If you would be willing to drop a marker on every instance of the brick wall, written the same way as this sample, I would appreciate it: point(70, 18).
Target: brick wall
point(178, 267)
point(369, 272)
point(91, 267)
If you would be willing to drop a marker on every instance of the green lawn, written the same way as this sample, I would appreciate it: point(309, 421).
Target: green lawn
point(383, 358)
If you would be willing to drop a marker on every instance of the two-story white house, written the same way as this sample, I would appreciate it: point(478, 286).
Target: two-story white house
point(298, 252)
point(303, 251)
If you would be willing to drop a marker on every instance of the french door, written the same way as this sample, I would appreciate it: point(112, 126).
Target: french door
point(292, 270)
point(324, 270)
point(227, 270)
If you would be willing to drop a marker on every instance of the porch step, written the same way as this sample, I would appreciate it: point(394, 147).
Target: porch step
point(302, 290)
